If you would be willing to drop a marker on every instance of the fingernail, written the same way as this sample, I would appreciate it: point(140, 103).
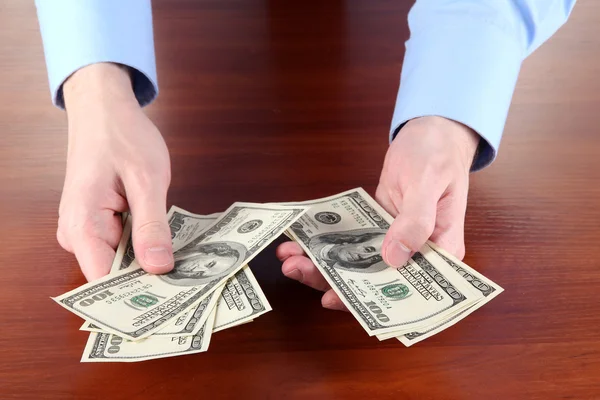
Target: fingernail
point(158, 257)
point(296, 275)
point(397, 254)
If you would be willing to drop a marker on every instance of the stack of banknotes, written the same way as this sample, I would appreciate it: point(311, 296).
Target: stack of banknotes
point(136, 316)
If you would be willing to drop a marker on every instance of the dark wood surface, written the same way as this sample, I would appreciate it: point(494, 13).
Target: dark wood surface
point(281, 100)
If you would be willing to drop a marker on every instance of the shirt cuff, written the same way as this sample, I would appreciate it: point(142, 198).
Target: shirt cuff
point(77, 33)
point(462, 69)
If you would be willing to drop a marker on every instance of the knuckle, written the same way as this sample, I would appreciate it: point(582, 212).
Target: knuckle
point(65, 226)
point(62, 240)
point(68, 202)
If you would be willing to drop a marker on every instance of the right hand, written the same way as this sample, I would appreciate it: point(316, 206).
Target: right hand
point(424, 185)
point(117, 160)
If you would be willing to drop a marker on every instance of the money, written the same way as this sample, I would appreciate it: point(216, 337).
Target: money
point(134, 304)
point(106, 347)
point(343, 235)
point(194, 319)
point(184, 227)
point(135, 316)
point(489, 290)
point(241, 300)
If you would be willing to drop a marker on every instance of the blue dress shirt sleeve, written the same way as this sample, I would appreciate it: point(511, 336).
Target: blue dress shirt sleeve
point(463, 58)
point(77, 33)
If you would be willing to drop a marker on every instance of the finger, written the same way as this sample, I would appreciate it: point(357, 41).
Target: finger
point(95, 256)
point(449, 232)
point(112, 233)
point(411, 228)
point(88, 236)
point(151, 232)
point(303, 270)
point(287, 250)
point(332, 301)
point(383, 198)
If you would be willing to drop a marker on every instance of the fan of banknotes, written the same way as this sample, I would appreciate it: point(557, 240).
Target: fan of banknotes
point(136, 316)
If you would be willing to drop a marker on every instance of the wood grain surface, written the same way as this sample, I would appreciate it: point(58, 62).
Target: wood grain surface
point(291, 100)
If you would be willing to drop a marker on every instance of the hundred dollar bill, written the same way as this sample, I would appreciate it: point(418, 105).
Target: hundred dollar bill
point(106, 347)
point(184, 227)
point(186, 324)
point(241, 301)
point(343, 235)
point(189, 325)
point(485, 286)
point(134, 304)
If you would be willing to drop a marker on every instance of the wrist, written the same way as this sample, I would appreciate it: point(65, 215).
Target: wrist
point(101, 85)
point(464, 137)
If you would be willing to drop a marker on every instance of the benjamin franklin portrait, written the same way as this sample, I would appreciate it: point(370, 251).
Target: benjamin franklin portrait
point(356, 250)
point(204, 262)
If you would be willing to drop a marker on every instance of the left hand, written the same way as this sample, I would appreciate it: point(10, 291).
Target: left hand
point(423, 185)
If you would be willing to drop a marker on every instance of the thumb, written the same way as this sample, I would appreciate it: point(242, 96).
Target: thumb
point(151, 233)
point(412, 227)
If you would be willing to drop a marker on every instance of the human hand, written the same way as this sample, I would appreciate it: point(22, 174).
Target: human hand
point(423, 185)
point(116, 160)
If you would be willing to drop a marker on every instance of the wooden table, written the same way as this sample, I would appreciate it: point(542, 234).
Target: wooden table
point(281, 100)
